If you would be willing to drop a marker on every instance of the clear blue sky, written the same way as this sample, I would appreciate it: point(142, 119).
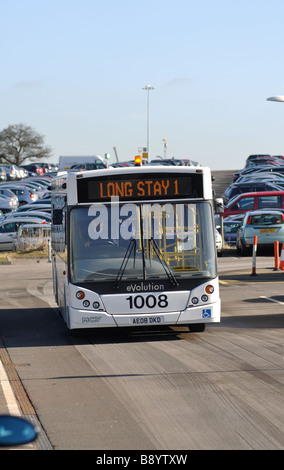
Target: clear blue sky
point(74, 70)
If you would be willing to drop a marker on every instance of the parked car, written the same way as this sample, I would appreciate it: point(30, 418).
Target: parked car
point(3, 174)
point(267, 225)
point(35, 189)
point(268, 176)
point(11, 172)
point(249, 187)
point(34, 168)
point(23, 172)
point(7, 205)
point(46, 199)
point(43, 181)
point(252, 201)
point(24, 194)
point(34, 207)
point(47, 167)
point(4, 191)
point(31, 235)
point(251, 170)
point(259, 159)
point(230, 231)
point(219, 243)
point(98, 165)
point(258, 156)
point(9, 229)
point(229, 227)
point(38, 214)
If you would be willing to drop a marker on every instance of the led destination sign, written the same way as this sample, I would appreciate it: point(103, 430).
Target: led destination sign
point(143, 186)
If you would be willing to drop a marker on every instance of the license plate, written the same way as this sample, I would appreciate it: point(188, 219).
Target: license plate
point(267, 230)
point(154, 320)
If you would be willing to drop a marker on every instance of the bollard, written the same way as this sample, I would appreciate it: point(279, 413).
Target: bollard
point(253, 273)
point(276, 256)
point(49, 251)
point(281, 264)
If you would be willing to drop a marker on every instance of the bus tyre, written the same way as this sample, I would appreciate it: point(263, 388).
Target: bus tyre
point(196, 327)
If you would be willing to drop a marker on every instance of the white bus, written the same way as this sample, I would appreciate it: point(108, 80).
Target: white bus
point(135, 247)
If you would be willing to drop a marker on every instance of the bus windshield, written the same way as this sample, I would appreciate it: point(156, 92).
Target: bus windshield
point(120, 242)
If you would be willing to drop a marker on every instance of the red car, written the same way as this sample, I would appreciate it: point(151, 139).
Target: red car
point(252, 201)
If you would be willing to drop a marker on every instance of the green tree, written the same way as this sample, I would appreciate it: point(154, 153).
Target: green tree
point(19, 142)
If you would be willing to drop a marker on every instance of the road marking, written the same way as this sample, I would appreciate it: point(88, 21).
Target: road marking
point(10, 398)
point(44, 293)
point(255, 281)
point(272, 300)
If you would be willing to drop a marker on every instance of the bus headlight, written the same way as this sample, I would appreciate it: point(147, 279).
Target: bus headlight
point(96, 305)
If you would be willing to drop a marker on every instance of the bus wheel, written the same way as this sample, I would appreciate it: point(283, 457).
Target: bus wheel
point(196, 327)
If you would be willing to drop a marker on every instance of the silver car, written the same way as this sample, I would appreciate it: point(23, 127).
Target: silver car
point(266, 224)
point(4, 191)
point(37, 214)
point(35, 207)
point(24, 194)
point(9, 228)
point(7, 204)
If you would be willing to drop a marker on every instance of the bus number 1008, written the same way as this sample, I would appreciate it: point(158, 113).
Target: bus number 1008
point(151, 301)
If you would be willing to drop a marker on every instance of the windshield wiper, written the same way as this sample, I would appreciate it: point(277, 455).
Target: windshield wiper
point(130, 247)
point(163, 262)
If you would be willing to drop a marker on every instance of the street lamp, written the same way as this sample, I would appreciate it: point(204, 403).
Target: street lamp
point(148, 88)
point(165, 148)
point(276, 98)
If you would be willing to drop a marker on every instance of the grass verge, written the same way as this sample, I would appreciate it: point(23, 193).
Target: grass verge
point(32, 253)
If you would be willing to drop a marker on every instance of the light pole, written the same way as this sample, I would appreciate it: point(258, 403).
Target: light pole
point(165, 148)
point(276, 98)
point(148, 88)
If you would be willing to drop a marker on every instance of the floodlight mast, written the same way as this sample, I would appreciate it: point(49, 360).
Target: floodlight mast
point(148, 88)
point(278, 98)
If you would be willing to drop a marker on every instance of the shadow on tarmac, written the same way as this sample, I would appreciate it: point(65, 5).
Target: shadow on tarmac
point(44, 327)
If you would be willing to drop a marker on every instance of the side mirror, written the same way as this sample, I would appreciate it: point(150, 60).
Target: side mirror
point(15, 431)
point(219, 205)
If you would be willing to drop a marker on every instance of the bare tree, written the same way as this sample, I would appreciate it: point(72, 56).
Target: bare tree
point(19, 142)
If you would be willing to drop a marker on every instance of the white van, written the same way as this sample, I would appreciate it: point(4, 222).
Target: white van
point(66, 163)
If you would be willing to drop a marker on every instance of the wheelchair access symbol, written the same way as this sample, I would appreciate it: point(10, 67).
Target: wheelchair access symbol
point(206, 313)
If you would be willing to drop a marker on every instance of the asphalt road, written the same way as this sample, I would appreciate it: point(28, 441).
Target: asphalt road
point(154, 390)
point(148, 389)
